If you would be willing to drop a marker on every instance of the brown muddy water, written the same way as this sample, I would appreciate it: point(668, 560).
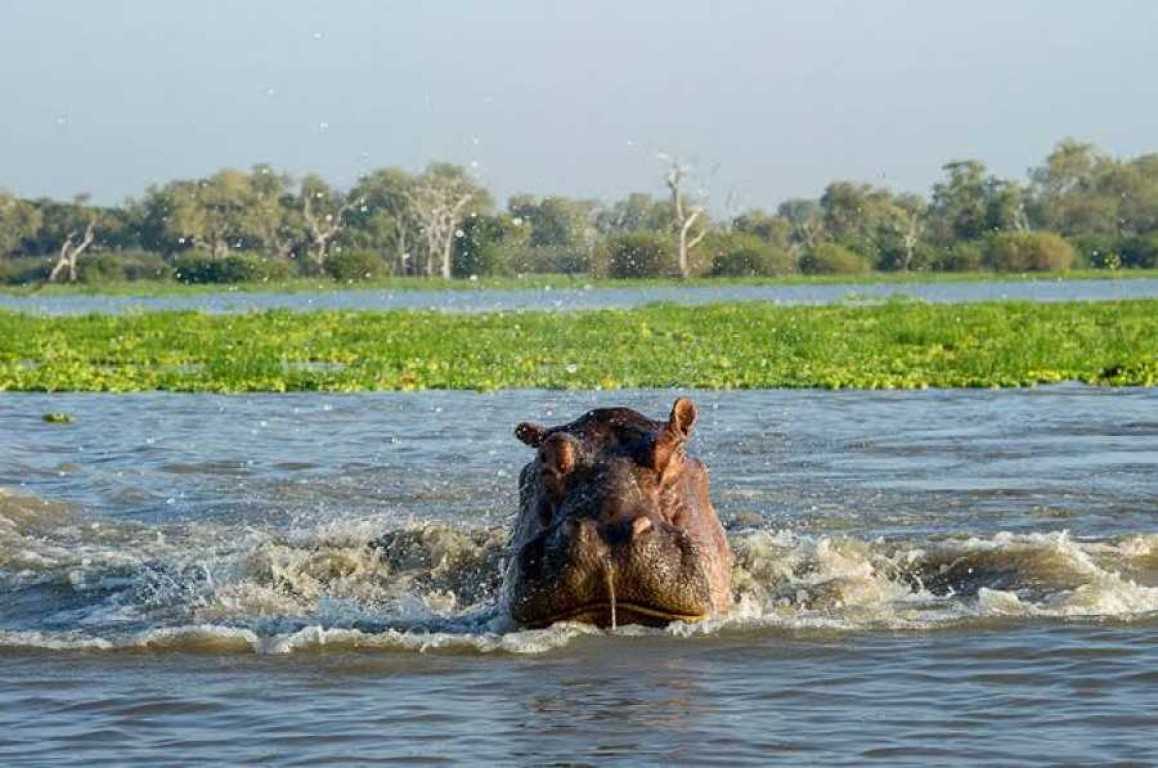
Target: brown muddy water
point(928, 578)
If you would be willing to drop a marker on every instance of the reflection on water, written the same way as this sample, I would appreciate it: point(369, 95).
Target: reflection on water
point(587, 297)
point(941, 577)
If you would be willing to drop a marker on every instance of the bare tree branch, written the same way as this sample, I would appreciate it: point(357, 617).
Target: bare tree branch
point(438, 203)
point(70, 251)
point(684, 219)
point(323, 229)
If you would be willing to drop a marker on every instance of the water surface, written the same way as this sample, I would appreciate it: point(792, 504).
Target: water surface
point(942, 577)
point(579, 298)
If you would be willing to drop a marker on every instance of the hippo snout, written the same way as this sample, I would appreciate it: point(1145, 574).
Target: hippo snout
point(605, 573)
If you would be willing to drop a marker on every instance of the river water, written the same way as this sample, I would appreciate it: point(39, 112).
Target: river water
point(942, 577)
point(580, 297)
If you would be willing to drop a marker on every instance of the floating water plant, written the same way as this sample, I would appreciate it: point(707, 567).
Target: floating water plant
point(896, 345)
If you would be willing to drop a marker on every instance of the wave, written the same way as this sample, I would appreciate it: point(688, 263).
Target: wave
point(68, 582)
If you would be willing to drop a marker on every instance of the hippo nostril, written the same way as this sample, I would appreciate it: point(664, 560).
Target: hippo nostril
point(640, 526)
point(584, 533)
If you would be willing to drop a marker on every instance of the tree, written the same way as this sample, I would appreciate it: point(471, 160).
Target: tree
point(959, 204)
point(1065, 190)
point(885, 228)
point(684, 217)
point(73, 228)
point(18, 220)
point(556, 220)
point(209, 214)
point(773, 229)
point(439, 199)
point(271, 218)
point(492, 245)
point(324, 211)
point(638, 212)
point(971, 204)
point(383, 218)
point(1081, 191)
point(908, 226)
point(804, 215)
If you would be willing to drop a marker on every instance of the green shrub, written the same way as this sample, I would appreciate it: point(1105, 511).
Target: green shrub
point(740, 254)
point(235, 268)
point(833, 259)
point(354, 265)
point(24, 270)
point(961, 256)
point(635, 254)
point(513, 258)
point(1097, 250)
point(1029, 252)
point(486, 258)
point(553, 259)
point(119, 266)
point(1141, 252)
point(891, 258)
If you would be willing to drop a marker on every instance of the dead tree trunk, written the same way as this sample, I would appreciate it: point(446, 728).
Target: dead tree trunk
point(70, 251)
point(910, 238)
point(401, 254)
point(439, 211)
point(685, 218)
point(323, 230)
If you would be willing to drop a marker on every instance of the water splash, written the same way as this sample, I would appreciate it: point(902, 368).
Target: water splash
point(609, 575)
point(71, 582)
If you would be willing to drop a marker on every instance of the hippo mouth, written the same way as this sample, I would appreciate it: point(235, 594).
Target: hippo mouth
point(604, 613)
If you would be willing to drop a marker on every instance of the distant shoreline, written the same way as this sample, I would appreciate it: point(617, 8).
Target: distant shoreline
point(536, 282)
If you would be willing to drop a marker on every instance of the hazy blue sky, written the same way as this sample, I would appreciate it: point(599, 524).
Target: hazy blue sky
point(768, 99)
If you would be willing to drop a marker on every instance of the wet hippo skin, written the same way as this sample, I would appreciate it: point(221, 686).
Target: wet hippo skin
point(615, 525)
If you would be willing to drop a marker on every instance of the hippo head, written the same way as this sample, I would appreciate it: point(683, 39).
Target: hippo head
point(615, 525)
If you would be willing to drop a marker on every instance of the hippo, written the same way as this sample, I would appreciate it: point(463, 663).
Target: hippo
point(615, 525)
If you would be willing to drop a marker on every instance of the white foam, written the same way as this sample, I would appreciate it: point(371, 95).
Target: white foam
point(247, 590)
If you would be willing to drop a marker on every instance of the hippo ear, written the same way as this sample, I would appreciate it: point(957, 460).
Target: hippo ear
point(558, 455)
point(683, 417)
point(531, 434)
point(677, 431)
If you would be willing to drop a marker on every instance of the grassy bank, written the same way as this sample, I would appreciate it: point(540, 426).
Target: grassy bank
point(541, 282)
point(896, 345)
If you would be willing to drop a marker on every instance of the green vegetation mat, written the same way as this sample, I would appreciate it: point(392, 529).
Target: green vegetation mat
point(752, 345)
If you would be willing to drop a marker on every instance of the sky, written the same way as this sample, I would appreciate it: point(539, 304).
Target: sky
point(762, 100)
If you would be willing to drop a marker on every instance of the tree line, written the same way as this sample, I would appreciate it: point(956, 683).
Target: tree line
point(1080, 207)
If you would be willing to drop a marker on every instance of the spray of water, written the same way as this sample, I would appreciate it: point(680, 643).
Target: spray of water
point(609, 574)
